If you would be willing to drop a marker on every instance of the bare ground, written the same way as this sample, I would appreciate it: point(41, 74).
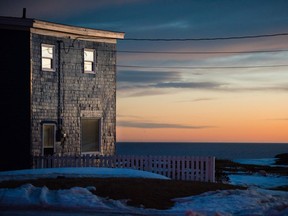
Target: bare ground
point(148, 193)
point(152, 193)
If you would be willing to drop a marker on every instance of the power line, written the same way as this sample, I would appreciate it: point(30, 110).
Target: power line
point(207, 39)
point(70, 64)
point(199, 52)
point(204, 67)
point(186, 52)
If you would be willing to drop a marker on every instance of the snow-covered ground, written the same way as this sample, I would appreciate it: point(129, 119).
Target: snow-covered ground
point(258, 180)
point(81, 201)
point(77, 172)
point(262, 180)
point(260, 161)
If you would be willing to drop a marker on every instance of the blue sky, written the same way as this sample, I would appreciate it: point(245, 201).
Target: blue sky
point(182, 98)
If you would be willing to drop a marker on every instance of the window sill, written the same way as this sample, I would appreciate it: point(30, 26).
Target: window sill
point(48, 70)
point(92, 153)
point(89, 72)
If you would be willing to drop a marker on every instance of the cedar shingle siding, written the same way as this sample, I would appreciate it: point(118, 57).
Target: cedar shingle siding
point(62, 97)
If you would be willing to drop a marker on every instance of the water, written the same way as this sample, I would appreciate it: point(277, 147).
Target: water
point(219, 150)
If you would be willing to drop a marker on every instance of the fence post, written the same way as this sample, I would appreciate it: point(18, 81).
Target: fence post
point(211, 169)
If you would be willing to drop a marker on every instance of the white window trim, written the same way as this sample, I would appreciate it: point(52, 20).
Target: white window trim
point(93, 62)
point(100, 138)
point(53, 58)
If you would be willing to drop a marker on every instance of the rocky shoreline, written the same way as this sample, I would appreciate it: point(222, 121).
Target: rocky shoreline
point(224, 168)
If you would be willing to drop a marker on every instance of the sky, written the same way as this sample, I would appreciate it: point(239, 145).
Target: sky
point(216, 94)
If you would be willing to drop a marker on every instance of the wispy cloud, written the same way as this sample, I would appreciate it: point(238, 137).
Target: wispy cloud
point(142, 83)
point(146, 76)
point(153, 125)
point(203, 99)
point(278, 119)
point(255, 89)
point(129, 116)
point(198, 100)
point(142, 93)
point(191, 85)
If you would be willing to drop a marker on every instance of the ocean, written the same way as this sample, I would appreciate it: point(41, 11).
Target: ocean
point(219, 150)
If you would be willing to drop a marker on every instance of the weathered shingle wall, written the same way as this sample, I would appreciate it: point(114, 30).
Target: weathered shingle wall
point(81, 94)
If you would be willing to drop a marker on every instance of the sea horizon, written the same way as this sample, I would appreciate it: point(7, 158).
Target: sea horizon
point(225, 142)
point(221, 150)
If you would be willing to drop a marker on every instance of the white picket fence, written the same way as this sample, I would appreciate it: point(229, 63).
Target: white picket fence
point(174, 167)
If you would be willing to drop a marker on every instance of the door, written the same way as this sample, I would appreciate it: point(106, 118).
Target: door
point(90, 135)
point(48, 138)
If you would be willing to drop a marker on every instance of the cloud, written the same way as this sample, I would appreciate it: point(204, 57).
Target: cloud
point(203, 99)
point(129, 116)
point(278, 119)
point(198, 100)
point(191, 85)
point(153, 81)
point(143, 93)
point(160, 88)
point(146, 76)
point(254, 89)
point(153, 125)
point(144, 83)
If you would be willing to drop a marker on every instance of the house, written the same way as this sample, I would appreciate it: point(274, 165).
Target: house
point(58, 90)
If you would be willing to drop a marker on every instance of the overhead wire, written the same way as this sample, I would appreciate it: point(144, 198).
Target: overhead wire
point(202, 67)
point(208, 38)
point(187, 52)
point(197, 52)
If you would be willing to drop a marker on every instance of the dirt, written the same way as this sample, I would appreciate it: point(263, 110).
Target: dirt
point(138, 192)
point(152, 193)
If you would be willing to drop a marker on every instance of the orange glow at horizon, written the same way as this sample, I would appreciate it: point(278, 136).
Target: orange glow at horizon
point(238, 117)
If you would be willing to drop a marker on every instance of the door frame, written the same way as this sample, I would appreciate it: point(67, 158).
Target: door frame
point(100, 123)
point(43, 124)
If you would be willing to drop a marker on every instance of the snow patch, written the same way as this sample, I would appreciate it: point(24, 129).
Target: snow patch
point(235, 202)
point(255, 180)
point(253, 201)
point(260, 162)
point(77, 172)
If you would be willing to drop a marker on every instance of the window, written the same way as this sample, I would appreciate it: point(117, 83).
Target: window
point(90, 135)
point(89, 60)
point(47, 57)
point(48, 138)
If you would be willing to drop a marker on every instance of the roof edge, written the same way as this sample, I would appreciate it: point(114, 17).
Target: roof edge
point(56, 27)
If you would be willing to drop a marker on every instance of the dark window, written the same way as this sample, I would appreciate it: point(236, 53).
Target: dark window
point(48, 138)
point(90, 135)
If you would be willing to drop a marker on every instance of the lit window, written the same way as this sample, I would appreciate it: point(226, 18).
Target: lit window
point(90, 135)
point(47, 57)
point(89, 60)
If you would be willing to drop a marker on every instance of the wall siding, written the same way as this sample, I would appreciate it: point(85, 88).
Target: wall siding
point(81, 94)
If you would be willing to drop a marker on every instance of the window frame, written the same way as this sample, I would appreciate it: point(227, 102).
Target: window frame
point(99, 135)
point(52, 58)
point(93, 62)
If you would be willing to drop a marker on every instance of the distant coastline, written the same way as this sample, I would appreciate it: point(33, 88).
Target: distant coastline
point(221, 150)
